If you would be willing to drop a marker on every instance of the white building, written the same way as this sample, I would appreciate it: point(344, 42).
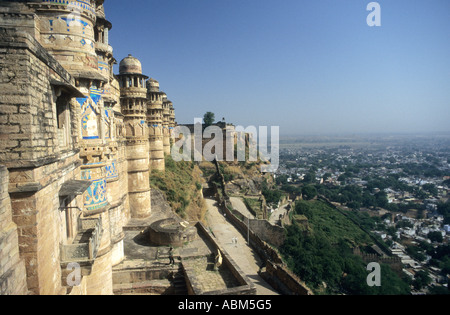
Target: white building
point(447, 228)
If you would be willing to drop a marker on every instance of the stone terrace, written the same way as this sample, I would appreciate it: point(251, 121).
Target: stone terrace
point(146, 268)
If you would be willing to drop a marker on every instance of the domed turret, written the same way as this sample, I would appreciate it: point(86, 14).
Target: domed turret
point(130, 65)
point(131, 78)
point(133, 100)
point(152, 85)
point(155, 122)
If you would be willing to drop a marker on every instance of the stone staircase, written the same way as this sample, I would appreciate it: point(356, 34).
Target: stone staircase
point(179, 283)
point(145, 278)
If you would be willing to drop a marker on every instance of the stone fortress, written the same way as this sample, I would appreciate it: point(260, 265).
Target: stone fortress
point(77, 145)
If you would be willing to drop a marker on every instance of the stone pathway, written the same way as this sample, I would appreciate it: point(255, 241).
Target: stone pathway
point(239, 205)
point(274, 217)
point(207, 278)
point(244, 256)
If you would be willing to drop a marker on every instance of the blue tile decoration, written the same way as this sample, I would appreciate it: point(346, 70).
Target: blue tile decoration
point(103, 65)
point(86, 175)
point(111, 170)
point(78, 3)
point(95, 196)
point(107, 123)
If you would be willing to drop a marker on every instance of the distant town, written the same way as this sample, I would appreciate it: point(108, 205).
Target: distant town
point(400, 183)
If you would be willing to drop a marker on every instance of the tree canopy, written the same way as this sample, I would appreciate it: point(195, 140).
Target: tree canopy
point(209, 119)
point(323, 254)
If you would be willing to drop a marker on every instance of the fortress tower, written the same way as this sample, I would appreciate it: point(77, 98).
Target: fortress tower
point(71, 31)
point(166, 124)
point(133, 99)
point(68, 153)
point(155, 124)
point(172, 124)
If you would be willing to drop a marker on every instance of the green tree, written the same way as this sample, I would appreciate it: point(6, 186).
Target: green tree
point(435, 290)
point(309, 192)
point(209, 119)
point(445, 266)
point(415, 253)
point(435, 236)
point(421, 194)
point(368, 200)
point(304, 208)
point(430, 188)
point(315, 260)
point(444, 209)
point(421, 280)
point(309, 177)
point(281, 179)
point(381, 199)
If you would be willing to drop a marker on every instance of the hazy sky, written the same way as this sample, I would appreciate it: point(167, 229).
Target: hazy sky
point(309, 67)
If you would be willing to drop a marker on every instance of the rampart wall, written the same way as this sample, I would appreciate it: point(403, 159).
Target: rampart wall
point(277, 274)
point(12, 267)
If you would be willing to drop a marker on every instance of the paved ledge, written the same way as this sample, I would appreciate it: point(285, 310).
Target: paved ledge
point(147, 262)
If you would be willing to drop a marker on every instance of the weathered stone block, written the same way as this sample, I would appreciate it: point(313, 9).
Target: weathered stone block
point(21, 119)
point(7, 129)
point(8, 109)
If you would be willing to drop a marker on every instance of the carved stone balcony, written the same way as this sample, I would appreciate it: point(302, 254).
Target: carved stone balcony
point(104, 48)
point(85, 245)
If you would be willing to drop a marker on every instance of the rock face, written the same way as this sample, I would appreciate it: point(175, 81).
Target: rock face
point(159, 203)
point(245, 185)
point(244, 180)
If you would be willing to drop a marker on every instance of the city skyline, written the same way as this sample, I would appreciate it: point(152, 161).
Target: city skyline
point(310, 67)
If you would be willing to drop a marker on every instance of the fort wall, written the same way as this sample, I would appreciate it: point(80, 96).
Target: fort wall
point(75, 144)
point(276, 274)
point(12, 266)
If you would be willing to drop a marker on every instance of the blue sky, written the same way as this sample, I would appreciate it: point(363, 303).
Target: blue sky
point(310, 67)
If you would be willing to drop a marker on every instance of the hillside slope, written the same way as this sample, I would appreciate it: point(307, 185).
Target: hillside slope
point(182, 185)
point(321, 253)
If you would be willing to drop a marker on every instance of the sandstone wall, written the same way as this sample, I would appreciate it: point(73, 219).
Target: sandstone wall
point(12, 267)
point(38, 164)
point(267, 232)
point(50, 59)
point(28, 133)
point(280, 278)
point(42, 224)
